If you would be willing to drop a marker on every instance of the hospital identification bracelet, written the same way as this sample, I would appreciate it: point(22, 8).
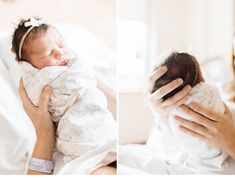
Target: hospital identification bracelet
point(41, 165)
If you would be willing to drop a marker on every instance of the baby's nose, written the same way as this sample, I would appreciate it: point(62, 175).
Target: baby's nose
point(59, 53)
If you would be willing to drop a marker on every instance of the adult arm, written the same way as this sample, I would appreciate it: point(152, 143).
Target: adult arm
point(43, 124)
point(111, 97)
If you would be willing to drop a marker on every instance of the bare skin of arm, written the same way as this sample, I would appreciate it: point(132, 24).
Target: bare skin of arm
point(215, 128)
point(43, 124)
point(111, 97)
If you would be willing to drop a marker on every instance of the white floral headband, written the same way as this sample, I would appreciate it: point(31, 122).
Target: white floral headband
point(33, 22)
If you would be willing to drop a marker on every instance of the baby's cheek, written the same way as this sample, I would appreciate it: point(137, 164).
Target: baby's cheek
point(52, 62)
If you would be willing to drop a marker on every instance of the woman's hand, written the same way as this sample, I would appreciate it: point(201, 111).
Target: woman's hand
point(39, 116)
point(155, 99)
point(216, 129)
point(43, 124)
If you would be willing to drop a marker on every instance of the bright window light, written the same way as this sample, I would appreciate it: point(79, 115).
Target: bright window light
point(132, 55)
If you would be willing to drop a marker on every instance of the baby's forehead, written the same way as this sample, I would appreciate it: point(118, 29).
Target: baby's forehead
point(43, 40)
point(51, 32)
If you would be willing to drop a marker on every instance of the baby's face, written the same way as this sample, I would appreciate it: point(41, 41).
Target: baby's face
point(48, 50)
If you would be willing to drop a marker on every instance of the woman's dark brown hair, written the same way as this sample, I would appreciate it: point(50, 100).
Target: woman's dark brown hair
point(179, 65)
point(19, 33)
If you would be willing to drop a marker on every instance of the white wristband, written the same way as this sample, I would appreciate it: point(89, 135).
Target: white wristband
point(41, 165)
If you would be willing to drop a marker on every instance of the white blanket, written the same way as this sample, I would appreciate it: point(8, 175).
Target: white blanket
point(78, 107)
point(195, 153)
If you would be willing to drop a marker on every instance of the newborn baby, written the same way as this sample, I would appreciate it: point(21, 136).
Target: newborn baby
point(195, 154)
point(77, 106)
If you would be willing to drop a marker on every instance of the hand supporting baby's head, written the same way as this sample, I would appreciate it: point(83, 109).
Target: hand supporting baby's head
point(179, 65)
point(39, 43)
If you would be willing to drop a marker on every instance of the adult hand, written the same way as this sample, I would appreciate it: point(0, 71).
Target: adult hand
point(39, 116)
point(215, 128)
point(43, 124)
point(155, 99)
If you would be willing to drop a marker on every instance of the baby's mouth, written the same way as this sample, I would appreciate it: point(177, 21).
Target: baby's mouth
point(64, 62)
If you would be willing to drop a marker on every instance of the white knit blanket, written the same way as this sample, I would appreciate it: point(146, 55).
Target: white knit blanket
point(77, 106)
point(195, 153)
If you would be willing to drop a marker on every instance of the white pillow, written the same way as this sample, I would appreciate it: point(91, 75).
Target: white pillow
point(89, 48)
point(8, 59)
point(17, 136)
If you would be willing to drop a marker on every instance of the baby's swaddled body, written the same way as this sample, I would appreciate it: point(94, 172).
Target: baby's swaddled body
point(77, 106)
point(197, 154)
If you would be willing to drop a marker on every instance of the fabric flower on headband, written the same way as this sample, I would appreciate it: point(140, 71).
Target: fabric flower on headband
point(34, 22)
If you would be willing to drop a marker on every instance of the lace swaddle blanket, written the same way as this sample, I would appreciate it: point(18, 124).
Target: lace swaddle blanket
point(76, 105)
point(197, 154)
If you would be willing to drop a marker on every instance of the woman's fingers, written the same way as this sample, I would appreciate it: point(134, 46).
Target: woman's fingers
point(44, 98)
point(198, 118)
point(192, 126)
point(192, 133)
point(208, 113)
point(155, 76)
point(182, 101)
point(27, 104)
point(179, 98)
point(158, 94)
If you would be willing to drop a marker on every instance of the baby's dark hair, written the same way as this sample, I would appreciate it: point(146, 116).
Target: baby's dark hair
point(179, 65)
point(19, 33)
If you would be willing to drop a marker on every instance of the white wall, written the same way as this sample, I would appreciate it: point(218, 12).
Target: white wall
point(205, 25)
point(133, 9)
point(98, 16)
point(135, 118)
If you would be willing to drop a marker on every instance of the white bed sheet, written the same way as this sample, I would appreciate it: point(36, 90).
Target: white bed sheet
point(139, 158)
point(142, 159)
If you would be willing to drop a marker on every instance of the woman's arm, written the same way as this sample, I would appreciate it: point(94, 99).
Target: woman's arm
point(217, 129)
point(43, 124)
point(111, 97)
